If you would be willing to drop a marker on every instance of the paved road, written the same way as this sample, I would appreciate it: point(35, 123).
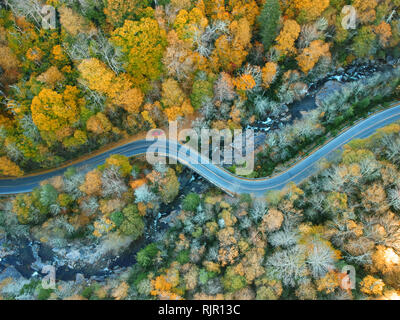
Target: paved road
point(214, 174)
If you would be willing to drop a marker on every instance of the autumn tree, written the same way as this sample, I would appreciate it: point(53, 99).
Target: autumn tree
point(119, 89)
point(269, 73)
point(188, 24)
point(119, 161)
point(372, 286)
point(272, 221)
point(143, 43)
point(51, 77)
point(384, 32)
point(287, 37)
point(309, 10)
point(244, 83)
point(365, 10)
point(54, 113)
point(244, 8)
point(172, 94)
point(9, 65)
point(9, 168)
point(166, 181)
point(231, 48)
point(117, 11)
point(74, 23)
point(99, 124)
point(181, 4)
point(92, 184)
point(130, 99)
point(95, 75)
point(311, 55)
point(178, 58)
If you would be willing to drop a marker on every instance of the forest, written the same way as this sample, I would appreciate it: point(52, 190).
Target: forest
point(291, 244)
point(109, 70)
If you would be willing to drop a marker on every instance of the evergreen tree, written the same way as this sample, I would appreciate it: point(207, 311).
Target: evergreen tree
point(269, 20)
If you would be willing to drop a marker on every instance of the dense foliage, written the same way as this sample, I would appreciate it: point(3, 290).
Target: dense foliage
point(297, 243)
point(113, 68)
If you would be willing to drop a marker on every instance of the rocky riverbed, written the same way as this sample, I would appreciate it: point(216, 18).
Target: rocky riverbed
point(25, 258)
point(333, 81)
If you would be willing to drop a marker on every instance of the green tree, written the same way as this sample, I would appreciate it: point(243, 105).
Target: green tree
point(233, 282)
point(146, 256)
point(132, 223)
point(48, 195)
point(117, 217)
point(364, 43)
point(169, 189)
point(269, 21)
point(200, 91)
point(191, 202)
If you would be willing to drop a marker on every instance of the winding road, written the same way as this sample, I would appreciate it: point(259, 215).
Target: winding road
point(213, 173)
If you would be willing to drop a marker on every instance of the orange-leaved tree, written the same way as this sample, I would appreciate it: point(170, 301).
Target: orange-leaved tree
point(119, 89)
point(269, 73)
point(9, 168)
point(311, 55)
point(287, 37)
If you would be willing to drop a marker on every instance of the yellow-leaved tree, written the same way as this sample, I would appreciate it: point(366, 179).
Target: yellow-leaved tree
point(54, 113)
point(9, 168)
point(309, 10)
point(231, 50)
point(188, 24)
point(372, 286)
point(172, 94)
point(117, 11)
point(269, 73)
point(143, 43)
point(384, 31)
point(119, 89)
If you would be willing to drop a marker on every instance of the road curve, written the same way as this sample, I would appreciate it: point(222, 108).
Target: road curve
point(214, 174)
